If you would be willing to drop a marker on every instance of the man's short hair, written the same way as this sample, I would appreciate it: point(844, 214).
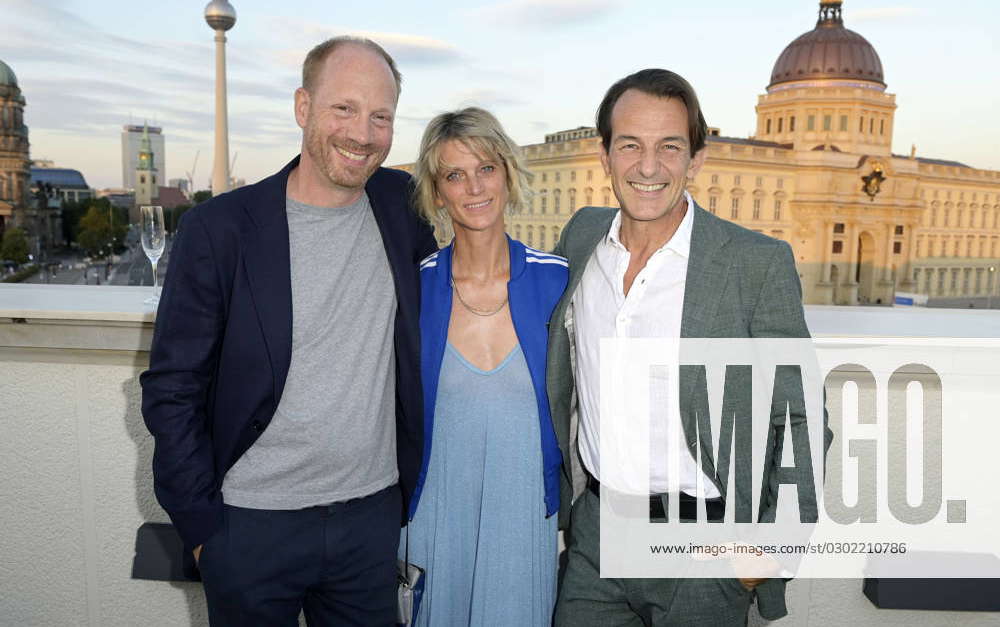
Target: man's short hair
point(662, 84)
point(482, 134)
point(314, 60)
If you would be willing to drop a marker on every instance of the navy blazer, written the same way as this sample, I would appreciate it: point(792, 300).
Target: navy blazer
point(223, 340)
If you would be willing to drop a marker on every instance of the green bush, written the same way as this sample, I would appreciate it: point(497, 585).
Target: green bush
point(22, 274)
point(14, 246)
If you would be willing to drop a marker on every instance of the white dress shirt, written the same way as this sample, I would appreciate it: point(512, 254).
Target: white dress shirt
point(652, 309)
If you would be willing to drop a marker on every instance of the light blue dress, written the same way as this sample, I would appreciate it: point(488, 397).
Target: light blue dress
point(480, 530)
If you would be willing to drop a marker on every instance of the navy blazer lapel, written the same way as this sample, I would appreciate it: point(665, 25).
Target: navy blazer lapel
point(268, 266)
point(384, 200)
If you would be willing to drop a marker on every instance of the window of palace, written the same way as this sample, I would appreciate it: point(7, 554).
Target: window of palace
point(760, 181)
point(958, 223)
point(767, 127)
point(899, 229)
point(838, 227)
point(881, 127)
point(947, 217)
point(791, 124)
point(572, 175)
point(555, 203)
point(838, 247)
point(555, 235)
point(517, 231)
point(737, 180)
point(541, 238)
point(715, 179)
point(777, 209)
point(531, 204)
point(590, 175)
point(544, 202)
point(734, 210)
point(545, 177)
point(606, 197)
point(827, 122)
point(861, 124)
point(843, 122)
point(781, 183)
point(871, 126)
point(572, 200)
point(982, 224)
point(756, 208)
point(531, 235)
point(958, 244)
point(811, 123)
point(897, 248)
point(588, 196)
point(557, 176)
point(713, 203)
point(780, 122)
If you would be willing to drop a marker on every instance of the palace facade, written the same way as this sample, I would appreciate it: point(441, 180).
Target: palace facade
point(820, 174)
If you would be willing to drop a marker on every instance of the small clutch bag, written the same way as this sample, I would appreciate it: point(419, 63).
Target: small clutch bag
point(410, 589)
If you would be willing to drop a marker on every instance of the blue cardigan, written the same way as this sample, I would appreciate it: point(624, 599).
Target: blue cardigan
point(537, 281)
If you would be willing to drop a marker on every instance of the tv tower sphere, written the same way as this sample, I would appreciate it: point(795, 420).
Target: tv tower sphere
point(220, 15)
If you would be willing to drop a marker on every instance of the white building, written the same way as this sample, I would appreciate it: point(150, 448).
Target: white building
point(131, 145)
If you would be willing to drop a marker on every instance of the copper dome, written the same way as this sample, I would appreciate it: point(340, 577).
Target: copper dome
point(829, 51)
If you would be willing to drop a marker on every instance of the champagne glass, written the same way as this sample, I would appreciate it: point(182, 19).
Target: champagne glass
point(153, 237)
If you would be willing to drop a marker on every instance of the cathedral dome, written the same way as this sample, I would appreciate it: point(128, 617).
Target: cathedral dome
point(7, 77)
point(829, 51)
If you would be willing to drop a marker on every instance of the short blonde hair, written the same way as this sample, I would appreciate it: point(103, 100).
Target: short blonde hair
point(481, 133)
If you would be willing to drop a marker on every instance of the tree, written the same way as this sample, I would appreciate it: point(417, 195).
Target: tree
point(96, 230)
point(173, 215)
point(201, 196)
point(71, 214)
point(14, 246)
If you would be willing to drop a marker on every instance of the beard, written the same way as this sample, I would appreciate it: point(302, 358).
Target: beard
point(323, 154)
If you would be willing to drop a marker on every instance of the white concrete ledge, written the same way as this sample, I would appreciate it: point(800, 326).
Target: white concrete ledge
point(76, 317)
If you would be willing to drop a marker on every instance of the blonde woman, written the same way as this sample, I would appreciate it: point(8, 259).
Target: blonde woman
point(482, 520)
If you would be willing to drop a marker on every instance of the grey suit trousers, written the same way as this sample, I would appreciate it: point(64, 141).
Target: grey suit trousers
point(586, 600)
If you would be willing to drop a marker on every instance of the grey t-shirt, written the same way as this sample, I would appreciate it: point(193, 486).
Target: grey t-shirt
point(333, 436)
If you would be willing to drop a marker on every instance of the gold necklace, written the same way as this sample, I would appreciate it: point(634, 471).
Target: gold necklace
point(485, 313)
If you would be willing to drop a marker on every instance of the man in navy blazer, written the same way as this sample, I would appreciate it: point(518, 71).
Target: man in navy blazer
point(283, 391)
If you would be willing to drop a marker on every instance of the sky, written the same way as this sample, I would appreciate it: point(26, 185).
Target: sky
point(88, 67)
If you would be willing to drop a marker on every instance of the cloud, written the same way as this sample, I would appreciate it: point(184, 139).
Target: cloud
point(486, 98)
point(883, 14)
point(405, 48)
point(547, 13)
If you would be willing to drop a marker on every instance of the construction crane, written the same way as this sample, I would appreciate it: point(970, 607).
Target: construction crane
point(190, 175)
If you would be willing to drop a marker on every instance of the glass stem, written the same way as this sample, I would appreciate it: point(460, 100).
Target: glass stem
point(154, 275)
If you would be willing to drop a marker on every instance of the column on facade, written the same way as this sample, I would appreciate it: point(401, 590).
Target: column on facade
point(852, 252)
point(909, 248)
point(889, 240)
point(827, 242)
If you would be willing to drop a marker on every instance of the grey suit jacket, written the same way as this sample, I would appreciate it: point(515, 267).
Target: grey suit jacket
point(740, 284)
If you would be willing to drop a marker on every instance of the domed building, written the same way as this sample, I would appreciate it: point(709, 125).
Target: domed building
point(14, 163)
point(864, 224)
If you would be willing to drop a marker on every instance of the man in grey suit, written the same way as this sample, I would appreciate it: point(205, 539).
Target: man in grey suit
point(661, 267)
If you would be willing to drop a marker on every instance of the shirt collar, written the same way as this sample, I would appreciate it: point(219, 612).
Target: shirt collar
point(679, 242)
